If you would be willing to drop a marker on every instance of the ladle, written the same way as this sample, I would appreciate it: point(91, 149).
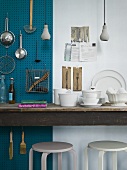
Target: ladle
point(29, 28)
point(37, 60)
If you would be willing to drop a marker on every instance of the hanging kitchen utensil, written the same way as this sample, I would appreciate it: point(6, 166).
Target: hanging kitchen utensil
point(7, 64)
point(7, 38)
point(30, 28)
point(37, 60)
point(20, 52)
point(11, 146)
point(22, 144)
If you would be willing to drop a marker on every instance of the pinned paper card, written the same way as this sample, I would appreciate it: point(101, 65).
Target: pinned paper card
point(80, 51)
point(67, 52)
point(77, 78)
point(66, 77)
point(88, 52)
point(75, 53)
point(80, 34)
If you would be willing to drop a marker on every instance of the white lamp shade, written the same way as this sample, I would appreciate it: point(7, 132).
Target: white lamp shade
point(104, 35)
point(45, 35)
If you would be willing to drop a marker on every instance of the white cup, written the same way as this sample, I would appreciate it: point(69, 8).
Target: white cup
point(56, 96)
point(90, 101)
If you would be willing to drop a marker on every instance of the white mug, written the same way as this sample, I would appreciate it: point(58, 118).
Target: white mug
point(56, 95)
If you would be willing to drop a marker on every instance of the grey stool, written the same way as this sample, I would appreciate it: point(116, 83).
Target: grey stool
point(51, 147)
point(103, 147)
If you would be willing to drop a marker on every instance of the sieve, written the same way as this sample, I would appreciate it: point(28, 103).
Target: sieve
point(7, 64)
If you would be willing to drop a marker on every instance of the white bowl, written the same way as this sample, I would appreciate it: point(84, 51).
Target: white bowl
point(56, 96)
point(89, 100)
point(68, 99)
point(117, 99)
point(91, 94)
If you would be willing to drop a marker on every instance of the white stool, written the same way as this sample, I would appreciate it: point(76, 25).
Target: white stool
point(105, 146)
point(51, 147)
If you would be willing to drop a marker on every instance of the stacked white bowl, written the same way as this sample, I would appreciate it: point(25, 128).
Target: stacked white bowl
point(90, 97)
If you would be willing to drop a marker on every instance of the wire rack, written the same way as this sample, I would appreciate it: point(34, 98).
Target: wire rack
point(37, 81)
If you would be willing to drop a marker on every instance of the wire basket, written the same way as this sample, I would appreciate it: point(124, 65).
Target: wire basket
point(37, 81)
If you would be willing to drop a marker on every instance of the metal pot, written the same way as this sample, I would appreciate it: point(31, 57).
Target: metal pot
point(7, 38)
point(20, 52)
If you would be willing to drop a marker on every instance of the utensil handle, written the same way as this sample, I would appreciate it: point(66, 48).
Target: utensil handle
point(31, 13)
point(22, 136)
point(11, 136)
point(6, 24)
point(36, 49)
point(20, 40)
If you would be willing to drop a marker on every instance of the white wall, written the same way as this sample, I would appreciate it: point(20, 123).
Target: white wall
point(111, 55)
point(81, 136)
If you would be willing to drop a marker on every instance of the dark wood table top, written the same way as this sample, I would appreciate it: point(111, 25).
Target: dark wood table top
point(53, 115)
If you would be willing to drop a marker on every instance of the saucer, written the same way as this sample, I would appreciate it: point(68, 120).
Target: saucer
point(90, 105)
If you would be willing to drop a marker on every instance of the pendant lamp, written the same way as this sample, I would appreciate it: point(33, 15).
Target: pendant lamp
point(45, 35)
point(104, 35)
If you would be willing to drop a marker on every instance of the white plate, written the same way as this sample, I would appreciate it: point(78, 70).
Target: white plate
point(91, 106)
point(108, 78)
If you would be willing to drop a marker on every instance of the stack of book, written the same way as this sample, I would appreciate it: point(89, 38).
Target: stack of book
point(33, 104)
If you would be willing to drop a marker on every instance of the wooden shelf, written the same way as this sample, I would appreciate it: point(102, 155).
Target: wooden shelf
point(11, 115)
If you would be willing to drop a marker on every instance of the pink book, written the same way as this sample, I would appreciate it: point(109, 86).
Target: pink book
point(32, 105)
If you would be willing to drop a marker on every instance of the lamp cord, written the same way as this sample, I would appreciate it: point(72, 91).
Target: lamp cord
point(45, 11)
point(104, 11)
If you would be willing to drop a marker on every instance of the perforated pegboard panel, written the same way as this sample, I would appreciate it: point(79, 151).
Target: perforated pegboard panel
point(21, 162)
point(18, 14)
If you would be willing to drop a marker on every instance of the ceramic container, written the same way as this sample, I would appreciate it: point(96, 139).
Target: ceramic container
point(86, 101)
point(117, 99)
point(68, 99)
point(56, 96)
point(91, 94)
point(91, 101)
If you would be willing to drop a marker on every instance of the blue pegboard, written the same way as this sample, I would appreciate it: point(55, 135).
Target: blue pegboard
point(21, 162)
point(18, 14)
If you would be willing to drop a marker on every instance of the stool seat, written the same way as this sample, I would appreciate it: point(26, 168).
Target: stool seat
point(52, 147)
point(108, 145)
point(47, 148)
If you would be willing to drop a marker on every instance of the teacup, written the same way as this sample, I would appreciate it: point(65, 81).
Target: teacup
point(90, 100)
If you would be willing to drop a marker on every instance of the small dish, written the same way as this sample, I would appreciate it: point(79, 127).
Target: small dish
point(91, 106)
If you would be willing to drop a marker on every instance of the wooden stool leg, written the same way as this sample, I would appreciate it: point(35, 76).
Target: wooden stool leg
point(86, 158)
point(44, 161)
point(59, 161)
point(31, 159)
point(74, 158)
point(100, 161)
point(114, 157)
